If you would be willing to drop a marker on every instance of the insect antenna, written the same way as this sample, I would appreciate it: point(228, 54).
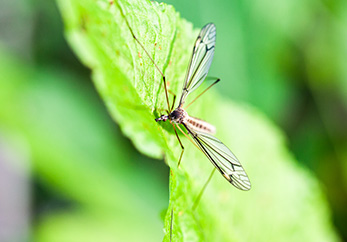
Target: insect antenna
point(202, 93)
point(161, 73)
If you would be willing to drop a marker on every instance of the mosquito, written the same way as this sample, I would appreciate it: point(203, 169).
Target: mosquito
point(201, 133)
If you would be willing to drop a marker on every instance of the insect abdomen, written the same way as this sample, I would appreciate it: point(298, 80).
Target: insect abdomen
point(200, 125)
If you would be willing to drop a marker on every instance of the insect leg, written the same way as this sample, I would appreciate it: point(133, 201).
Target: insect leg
point(132, 33)
point(171, 92)
point(173, 103)
point(174, 100)
point(197, 199)
point(179, 140)
point(203, 92)
point(196, 202)
point(171, 222)
point(189, 138)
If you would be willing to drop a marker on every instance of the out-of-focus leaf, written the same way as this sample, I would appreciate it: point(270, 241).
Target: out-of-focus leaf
point(86, 226)
point(75, 150)
point(285, 202)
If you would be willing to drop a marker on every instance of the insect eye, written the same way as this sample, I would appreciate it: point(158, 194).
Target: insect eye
point(173, 115)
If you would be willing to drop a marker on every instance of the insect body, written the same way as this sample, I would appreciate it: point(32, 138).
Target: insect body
point(180, 116)
point(200, 131)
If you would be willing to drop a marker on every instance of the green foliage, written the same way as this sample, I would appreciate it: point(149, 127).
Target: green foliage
point(285, 202)
point(75, 152)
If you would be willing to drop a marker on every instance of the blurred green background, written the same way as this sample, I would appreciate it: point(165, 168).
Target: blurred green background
point(61, 154)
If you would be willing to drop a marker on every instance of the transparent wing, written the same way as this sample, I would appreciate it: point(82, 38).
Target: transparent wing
point(222, 158)
point(200, 62)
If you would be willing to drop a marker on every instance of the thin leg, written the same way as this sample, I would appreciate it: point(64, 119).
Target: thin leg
point(197, 200)
point(171, 92)
point(174, 99)
point(161, 110)
point(132, 33)
point(202, 93)
point(179, 140)
point(167, 97)
point(171, 224)
point(189, 139)
point(173, 103)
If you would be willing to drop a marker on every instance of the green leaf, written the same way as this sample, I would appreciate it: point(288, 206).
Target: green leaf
point(76, 152)
point(285, 201)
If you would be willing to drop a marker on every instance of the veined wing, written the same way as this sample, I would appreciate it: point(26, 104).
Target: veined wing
point(222, 158)
point(200, 61)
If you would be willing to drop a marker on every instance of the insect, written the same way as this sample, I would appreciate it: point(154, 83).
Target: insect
point(201, 132)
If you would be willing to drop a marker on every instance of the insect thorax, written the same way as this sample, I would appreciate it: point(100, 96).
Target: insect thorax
point(178, 115)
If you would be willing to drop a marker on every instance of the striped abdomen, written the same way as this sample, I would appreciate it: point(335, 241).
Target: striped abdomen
point(200, 125)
